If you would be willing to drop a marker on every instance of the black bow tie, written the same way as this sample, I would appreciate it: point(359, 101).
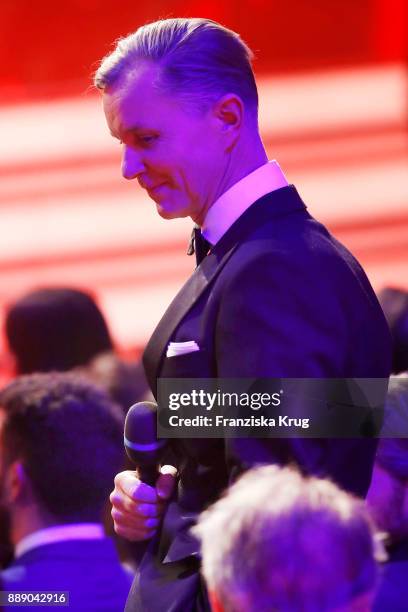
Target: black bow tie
point(198, 245)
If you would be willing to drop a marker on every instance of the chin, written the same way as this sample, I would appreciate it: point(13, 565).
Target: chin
point(168, 213)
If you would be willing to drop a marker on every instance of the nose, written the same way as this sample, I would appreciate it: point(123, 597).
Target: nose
point(132, 164)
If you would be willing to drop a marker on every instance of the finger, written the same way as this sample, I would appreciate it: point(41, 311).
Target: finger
point(129, 484)
point(131, 521)
point(166, 482)
point(134, 535)
point(124, 504)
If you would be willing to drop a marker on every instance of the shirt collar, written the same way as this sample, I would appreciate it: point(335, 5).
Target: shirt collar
point(59, 533)
point(233, 202)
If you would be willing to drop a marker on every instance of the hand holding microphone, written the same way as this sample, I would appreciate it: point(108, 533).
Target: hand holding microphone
point(138, 499)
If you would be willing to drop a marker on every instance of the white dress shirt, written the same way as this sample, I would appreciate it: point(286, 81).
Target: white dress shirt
point(233, 202)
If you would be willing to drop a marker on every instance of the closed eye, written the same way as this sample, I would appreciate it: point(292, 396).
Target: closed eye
point(133, 139)
point(148, 139)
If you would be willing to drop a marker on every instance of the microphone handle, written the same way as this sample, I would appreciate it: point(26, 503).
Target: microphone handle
point(149, 474)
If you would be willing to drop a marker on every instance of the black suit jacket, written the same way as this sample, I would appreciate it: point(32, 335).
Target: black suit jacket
point(277, 296)
point(89, 570)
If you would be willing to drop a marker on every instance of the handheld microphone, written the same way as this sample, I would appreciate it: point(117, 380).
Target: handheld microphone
point(141, 443)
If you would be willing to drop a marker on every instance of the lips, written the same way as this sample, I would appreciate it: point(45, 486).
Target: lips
point(149, 187)
point(154, 190)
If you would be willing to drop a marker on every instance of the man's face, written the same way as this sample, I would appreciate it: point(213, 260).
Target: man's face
point(177, 156)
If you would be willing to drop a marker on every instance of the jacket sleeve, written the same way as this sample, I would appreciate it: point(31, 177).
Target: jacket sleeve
point(279, 318)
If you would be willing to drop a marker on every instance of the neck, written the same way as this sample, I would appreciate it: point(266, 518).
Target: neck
point(248, 155)
point(26, 520)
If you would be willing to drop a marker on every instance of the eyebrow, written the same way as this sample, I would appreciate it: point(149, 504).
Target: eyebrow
point(135, 128)
point(132, 128)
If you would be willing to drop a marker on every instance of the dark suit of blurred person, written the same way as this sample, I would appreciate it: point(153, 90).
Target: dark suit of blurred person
point(60, 446)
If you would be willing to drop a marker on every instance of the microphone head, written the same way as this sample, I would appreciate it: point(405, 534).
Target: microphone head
point(140, 435)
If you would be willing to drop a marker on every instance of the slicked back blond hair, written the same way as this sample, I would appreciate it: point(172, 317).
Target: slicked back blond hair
point(199, 61)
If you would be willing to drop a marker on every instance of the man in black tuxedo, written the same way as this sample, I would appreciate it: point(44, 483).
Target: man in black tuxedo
point(277, 295)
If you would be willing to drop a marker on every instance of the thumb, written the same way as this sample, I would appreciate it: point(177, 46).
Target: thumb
point(166, 482)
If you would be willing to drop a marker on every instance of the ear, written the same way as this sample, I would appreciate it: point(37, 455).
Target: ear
point(229, 114)
point(16, 481)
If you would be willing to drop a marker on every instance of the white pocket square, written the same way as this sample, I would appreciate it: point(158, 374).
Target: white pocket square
point(181, 348)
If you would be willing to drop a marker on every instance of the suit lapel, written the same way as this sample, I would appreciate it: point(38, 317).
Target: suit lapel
point(184, 300)
point(276, 204)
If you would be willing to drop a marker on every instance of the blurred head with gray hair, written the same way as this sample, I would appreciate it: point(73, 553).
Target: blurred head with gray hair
point(281, 541)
